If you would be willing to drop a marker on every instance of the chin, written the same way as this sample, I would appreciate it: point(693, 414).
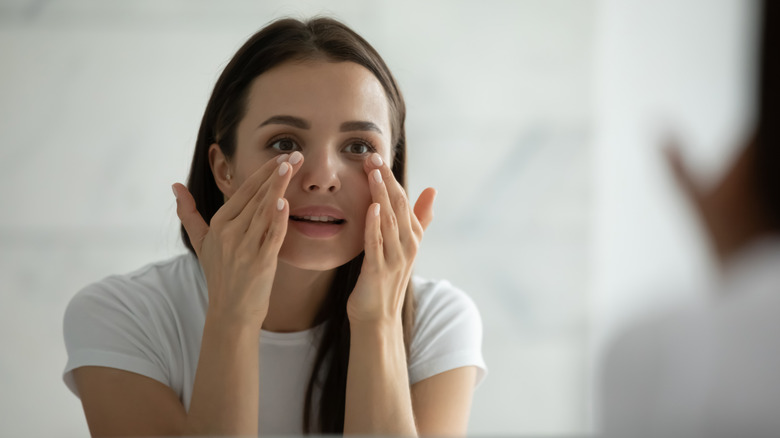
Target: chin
point(309, 260)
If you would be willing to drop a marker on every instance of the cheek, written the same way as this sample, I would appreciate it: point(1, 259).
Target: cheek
point(359, 191)
point(246, 169)
point(247, 159)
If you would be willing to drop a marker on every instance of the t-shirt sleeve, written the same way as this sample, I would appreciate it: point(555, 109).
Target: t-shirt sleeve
point(447, 334)
point(106, 325)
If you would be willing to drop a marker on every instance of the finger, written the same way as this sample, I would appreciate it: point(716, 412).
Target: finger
point(423, 210)
point(373, 236)
point(391, 242)
point(189, 216)
point(277, 230)
point(236, 204)
point(268, 207)
point(399, 201)
point(244, 219)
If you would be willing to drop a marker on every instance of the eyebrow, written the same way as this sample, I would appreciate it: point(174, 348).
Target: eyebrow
point(297, 122)
point(293, 121)
point(359, 125)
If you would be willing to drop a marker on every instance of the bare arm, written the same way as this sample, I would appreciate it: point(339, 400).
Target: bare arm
point(442, 403)
point(146, 407)
point(238, 253)
point(225, 395)
point(378, 398)
point(380, 401)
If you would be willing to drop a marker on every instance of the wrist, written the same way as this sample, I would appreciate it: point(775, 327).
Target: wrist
point(380, 344)
point(234, 322)
point(387, 319)
point(379, 331)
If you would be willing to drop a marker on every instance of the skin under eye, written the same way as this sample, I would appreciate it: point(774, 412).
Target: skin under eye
point(284, 145)
point(359, 148)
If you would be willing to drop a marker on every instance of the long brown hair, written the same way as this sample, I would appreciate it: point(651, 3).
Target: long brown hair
point(284, 41)
point(768, 101)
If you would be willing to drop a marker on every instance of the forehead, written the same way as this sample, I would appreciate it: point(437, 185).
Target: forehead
point(325, 93)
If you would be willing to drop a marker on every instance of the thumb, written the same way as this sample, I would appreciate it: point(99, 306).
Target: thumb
point(423, 208)
point(189, 216)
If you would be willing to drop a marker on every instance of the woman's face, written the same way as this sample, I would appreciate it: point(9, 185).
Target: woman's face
point(336, 114)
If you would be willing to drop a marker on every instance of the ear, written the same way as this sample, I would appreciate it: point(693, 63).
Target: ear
point(223, 172)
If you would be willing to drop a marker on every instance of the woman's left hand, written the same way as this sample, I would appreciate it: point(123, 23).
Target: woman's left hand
point(392, 237)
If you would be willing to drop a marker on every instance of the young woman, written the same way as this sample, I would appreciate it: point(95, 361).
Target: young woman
point(295, 310)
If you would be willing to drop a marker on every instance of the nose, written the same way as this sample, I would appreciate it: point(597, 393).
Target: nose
point(320, 173)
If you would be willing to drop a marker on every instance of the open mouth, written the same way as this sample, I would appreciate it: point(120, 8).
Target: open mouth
point(324, 220)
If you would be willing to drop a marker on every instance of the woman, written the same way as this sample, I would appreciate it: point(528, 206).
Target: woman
point(302, 240)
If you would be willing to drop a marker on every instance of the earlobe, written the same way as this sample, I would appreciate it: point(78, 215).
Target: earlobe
point(221, 169)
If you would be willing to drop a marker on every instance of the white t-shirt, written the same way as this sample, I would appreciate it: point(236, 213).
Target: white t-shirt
point(708, 370)
point(150, 322)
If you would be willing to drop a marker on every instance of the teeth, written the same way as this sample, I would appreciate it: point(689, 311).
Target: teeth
point(320, 218)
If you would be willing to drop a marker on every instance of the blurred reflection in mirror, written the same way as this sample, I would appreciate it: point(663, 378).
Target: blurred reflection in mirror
point(712, 368)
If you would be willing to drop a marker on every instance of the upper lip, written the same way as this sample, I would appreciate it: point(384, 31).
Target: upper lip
point(318, 210)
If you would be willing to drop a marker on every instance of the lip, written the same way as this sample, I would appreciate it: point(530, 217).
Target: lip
point(313, 229)
point(318, 210)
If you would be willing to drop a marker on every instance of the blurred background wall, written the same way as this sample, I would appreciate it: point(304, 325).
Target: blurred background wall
point(537, 120)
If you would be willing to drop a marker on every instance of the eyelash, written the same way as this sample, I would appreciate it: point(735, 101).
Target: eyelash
point(362, 141)
point(275, 140)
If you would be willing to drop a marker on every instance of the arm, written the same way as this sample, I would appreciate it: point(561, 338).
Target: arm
point(245, 233)
point(379, 398)
point(225, 395)
point(442, 403)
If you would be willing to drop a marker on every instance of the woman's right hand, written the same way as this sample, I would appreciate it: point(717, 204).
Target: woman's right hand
point(238, 250)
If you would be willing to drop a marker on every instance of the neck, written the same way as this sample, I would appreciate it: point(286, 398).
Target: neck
point(296, 298)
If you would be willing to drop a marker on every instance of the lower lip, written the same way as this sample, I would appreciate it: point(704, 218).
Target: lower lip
point(315, 230)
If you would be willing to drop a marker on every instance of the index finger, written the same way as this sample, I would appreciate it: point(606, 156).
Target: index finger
point(398, 198)
point(236, 204)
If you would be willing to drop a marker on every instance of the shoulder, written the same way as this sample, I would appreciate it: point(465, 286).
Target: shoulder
point(447, 330)
point(135, 306)
point(649, 363)
point(440, 299)
point(133, 321)
point(157, 284)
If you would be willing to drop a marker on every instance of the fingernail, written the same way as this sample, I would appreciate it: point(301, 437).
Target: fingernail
point(296, 157)
point(282, 158)
point(377, 175)
point(376, 159)
point(376, 210)
point(280, 204)
point(283, 169)
point(175, 194)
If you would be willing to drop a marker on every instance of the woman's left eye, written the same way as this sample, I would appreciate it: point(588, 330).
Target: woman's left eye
point(284, 145)
point(359, 148)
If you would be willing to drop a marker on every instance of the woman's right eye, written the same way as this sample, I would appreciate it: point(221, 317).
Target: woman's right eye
point(284, 145)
